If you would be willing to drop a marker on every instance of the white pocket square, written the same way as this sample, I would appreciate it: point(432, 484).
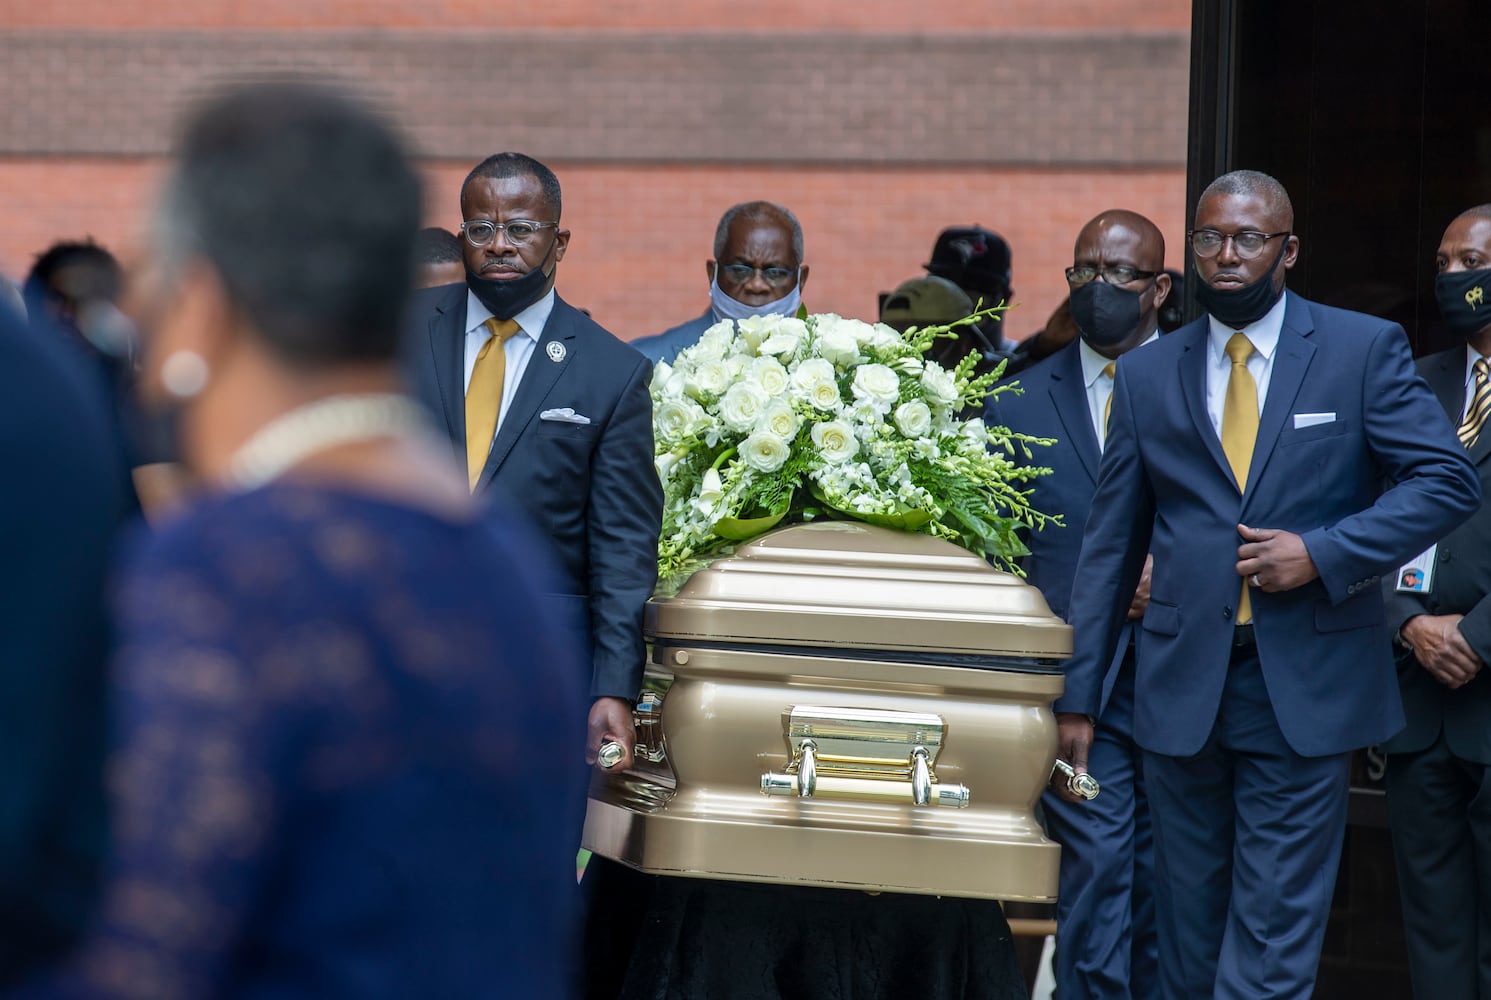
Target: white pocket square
point(1311, 419)
point(566, 415)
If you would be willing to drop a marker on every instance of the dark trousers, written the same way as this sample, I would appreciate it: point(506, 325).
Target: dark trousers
point(1247, 841)
point(1439, 806)
point(1105, 922)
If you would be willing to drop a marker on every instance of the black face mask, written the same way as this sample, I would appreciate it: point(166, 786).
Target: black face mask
point(1237, 307)
point(506, 298)
point(1106, 316)
point(1464, 300)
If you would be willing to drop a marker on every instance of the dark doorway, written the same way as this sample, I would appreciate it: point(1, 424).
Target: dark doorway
point(1375, 114)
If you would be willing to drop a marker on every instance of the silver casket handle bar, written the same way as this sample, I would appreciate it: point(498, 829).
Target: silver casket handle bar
point(808, 783)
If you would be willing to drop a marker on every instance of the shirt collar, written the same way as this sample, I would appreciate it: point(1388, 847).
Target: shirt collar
point(531, 320)
point(1471, 357)
point(1264, 333)
point(1093, 363)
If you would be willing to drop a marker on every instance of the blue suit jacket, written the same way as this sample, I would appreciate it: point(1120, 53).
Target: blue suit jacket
point(666, 346)
point(591, 489)
point(1165, 487)
point(1054, 405)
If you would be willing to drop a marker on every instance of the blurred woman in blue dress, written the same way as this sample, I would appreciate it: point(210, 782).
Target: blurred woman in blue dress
point(343, 722)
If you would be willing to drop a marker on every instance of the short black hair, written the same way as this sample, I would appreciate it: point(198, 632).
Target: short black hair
point(305, 203)
point(433, 245)
point(1252, 183)
point(758, 211)
point(500, 166)
point(105, 276)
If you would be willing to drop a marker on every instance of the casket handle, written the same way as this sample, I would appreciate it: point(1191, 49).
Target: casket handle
point(807, 769)
point(829, 786)
point(921, 777)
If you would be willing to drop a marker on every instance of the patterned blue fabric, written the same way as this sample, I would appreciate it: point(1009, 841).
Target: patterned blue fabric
point(348, 761)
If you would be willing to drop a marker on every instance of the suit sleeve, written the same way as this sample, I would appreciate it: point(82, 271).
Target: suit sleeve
point(1433, 485)
point(624, 519)
point(1114, 544)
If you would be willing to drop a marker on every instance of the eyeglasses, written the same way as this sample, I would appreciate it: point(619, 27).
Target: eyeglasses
point(1247, 244)
point(481, 233)
point(776, 277)
point(1115, 274)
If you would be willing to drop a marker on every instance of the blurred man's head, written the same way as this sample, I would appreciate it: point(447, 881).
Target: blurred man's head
point(921, 302)
point(977, 260)
point(284, 238)
point(757, 268)
point(69, 275)
point(437, 258)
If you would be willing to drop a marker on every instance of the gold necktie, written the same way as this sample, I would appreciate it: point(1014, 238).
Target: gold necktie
point(1480, 404)
point(484, 395)
point(1108, 370)
point(1240, 431)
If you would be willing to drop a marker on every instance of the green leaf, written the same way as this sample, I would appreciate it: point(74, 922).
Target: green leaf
point(740, 529)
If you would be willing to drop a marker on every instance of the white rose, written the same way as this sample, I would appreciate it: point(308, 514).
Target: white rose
point(714, 342)
point(769, 375)
point(780, 420)
point(914, 419)
point(661, 372)
point(877, 384)
point(742, 405)
point(755, 329)
point(764, 452)
point(673, 420)
point(709, 379)
point(835, 441)
point(882, 336)
point(837, 345)
point(939, 384)
point(786, 338)
point(814, 381)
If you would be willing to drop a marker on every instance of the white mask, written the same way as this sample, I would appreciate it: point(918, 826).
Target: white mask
point(725, 307)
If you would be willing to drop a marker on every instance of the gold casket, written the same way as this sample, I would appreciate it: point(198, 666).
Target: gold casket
point(846, 706)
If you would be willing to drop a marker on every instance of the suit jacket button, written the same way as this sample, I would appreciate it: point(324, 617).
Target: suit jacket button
point(1227, 613)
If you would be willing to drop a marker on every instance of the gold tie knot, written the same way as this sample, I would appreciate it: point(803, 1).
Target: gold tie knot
point(501, 329)
point(1239, 349)
point(1110, 368)
point(1482, 369)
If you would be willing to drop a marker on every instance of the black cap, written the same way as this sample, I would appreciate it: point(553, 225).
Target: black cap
point(971, 257)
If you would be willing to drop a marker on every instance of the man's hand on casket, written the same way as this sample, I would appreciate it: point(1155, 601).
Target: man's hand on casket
point(1074, 739)
point(610, 721)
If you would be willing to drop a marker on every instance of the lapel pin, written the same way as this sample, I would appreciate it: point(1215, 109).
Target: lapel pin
point(556, 351)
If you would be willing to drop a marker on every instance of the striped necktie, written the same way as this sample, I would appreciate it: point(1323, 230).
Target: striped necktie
point(1480, 404)
point(1240, 433)
point(484, 395)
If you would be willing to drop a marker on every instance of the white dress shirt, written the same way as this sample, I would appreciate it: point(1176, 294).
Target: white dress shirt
point(1471, 357)
point(1264, 334)
point(518, 349)
point(1099, 387)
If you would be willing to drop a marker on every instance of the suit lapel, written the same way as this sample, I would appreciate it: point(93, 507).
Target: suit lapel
point(538, 379)
point(1069, 396)
point(447, 339)
point(1192, 370)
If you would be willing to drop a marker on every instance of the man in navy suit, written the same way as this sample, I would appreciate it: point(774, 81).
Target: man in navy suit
point(565, 417)
point(1247, 454)
point(757, 270)
point(1439, 766)
point(1105, 944)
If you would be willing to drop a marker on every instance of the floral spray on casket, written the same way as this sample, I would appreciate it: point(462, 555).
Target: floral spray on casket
point(778, 420)
point(859, 701)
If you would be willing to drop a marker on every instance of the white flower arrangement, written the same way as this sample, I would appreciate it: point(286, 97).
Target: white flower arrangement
point(781, 419)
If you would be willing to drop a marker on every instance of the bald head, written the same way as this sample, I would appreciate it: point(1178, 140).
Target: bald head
point(1137, 234)
point(1254, 184)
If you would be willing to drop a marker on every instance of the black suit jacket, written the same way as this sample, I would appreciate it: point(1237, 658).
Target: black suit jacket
point(1461, 585)
point(590, 489)
point(60, 506)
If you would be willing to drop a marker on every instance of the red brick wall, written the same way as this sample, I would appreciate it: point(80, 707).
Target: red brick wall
point(642, 234)
point(1034, 133)
point(786, 16)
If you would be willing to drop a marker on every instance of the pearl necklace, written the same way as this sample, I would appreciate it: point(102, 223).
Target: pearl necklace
point(325, 423)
